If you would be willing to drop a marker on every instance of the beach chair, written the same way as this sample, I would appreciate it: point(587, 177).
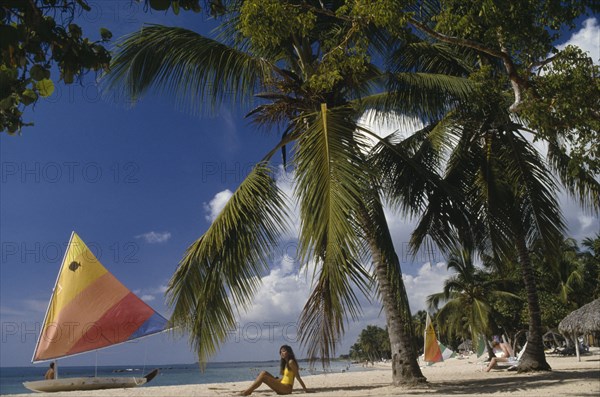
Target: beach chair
point(512, 362)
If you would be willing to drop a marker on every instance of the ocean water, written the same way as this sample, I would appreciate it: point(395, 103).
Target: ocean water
point(12, 378)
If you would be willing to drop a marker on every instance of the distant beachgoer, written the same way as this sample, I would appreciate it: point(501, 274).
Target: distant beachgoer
point(50, 372)
point(289, 372)
point(502, 352)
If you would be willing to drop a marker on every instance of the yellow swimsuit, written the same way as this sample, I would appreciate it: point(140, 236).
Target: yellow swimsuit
point(288, 377)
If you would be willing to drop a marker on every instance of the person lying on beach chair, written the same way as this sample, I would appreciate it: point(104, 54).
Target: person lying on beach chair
point(502, 352)
point(289, 372)
point(511, 363)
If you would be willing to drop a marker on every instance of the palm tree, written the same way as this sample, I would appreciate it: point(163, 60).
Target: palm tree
point(467, 298)
point(312, 74)
point(566, 275)
point(591, 261)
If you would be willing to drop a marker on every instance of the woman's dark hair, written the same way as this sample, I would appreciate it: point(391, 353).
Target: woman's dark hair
point(284, 362)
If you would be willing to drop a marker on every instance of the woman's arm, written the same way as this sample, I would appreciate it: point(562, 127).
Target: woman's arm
point(294, 366)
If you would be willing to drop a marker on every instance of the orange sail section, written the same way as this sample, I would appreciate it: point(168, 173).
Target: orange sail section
point(90, 309)
point(432, 351)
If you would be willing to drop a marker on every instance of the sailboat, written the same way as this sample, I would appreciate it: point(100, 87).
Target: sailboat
point(89, 310)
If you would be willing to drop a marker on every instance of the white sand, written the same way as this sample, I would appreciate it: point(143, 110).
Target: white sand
point(454, 377)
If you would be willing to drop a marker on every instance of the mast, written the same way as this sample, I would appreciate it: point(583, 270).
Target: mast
point(37, 343)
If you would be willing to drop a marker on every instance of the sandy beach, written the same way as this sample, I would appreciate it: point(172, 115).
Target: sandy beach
point(454, 377)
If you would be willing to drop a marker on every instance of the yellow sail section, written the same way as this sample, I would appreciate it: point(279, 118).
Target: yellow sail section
point(73, 280)
point(432, 352)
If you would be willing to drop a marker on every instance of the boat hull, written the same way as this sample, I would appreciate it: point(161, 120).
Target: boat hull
point(71, 384)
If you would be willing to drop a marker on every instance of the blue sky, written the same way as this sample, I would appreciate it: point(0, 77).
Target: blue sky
point(139, 184)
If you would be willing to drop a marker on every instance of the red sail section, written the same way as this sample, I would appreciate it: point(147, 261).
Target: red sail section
point(115, 326)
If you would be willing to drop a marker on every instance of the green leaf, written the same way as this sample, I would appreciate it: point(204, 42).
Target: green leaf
point(45, 87)
point(37, 72)
point(28, 97)
point(105, 34)
point(160, 5)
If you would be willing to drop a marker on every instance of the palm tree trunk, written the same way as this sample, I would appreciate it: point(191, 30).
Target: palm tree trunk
point(534, 358)
point(405, 368)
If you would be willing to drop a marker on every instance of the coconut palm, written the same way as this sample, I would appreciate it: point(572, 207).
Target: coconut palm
point(566, 275)
point(467, 298)
point(591, 261)
point(312, 76)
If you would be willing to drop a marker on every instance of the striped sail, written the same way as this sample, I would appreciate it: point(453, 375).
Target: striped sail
point(90, 309)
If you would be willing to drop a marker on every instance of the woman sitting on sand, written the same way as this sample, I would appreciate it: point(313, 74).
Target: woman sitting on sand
point(502, 352)
point(289, 371)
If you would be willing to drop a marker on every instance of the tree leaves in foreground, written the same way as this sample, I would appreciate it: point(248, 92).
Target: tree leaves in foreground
point(35, 36)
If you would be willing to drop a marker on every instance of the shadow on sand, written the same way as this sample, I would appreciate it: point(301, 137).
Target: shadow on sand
point(535, 383)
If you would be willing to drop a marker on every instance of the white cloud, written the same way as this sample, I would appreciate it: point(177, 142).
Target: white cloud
point(385, 125)
point(36, 305)
point(216, 205)
point(587, 38)
point(429, 280)
point(579, 224)
point(285, 182)
point(155, 237)
point(147, 298)
point(282, 294)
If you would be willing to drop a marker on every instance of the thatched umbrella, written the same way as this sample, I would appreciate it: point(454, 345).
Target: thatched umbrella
point(584, 320)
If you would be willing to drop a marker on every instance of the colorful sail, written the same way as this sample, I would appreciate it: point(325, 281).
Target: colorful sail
point(446, 351)
point(90, 309)
point(432, 352)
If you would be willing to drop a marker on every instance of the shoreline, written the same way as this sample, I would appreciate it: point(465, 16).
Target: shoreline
point(454, 377)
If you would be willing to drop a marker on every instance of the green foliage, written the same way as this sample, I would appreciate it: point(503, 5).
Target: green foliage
point(527, 29)
point(591, 266)
point(32, 41)
point(468, 298)
point(517, 37)
point(566, 106)
point(176, 5)
point(269, 23)
point(373, 344)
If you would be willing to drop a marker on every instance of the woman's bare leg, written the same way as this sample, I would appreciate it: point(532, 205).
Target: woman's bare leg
point(269, 380)
point(493, 362)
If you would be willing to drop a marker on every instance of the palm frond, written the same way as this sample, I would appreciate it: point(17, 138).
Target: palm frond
point(330, 175)
point(580, 184)
point(221, 271)
point(424, 56)
point(192, 68)
point(535, 192)
point(427, 95)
